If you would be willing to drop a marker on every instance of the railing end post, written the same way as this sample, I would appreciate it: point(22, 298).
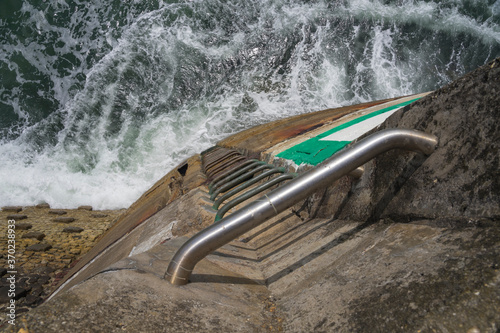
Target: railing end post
point(177, 275)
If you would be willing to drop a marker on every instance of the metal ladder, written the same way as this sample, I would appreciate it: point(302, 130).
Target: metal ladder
point(233, 173)
point(283, 197)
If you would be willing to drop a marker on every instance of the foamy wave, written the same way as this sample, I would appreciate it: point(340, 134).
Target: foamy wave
point(136, 88)
point(435, 16)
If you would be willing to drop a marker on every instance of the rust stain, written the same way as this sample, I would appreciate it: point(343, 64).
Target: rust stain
point(294, 131)
point(264, 136)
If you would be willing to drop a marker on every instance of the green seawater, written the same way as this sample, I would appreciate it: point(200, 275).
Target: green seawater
point(98, 99)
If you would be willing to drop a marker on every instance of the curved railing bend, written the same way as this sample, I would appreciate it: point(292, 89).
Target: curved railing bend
point(276, 201)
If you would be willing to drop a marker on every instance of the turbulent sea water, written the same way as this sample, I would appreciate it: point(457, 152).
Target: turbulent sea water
point(99, 99)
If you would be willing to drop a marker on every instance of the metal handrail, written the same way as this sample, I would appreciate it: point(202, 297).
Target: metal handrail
point(356, 173)
point(276, 201)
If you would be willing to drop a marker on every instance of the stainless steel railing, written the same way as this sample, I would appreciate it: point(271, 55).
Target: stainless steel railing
point(276, 201)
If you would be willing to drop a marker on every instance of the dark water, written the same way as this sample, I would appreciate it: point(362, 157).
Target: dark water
point(98, 99)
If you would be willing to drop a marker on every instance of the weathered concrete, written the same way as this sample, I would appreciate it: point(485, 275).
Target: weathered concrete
point(131, 296)
point(461, 178)
point(393, 277)
point(167, 189)
point(175, 219)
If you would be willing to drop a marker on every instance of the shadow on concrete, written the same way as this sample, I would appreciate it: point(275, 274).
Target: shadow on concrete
point(322, 250)
point(275, 277)
point(211, 278)
point(263, 230)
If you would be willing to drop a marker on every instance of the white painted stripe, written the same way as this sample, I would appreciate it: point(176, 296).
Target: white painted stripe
point(355, 131)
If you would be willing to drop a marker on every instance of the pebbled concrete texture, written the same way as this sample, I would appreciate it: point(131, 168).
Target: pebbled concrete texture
point(411, 246)
point(464, 172)
point(45, 249)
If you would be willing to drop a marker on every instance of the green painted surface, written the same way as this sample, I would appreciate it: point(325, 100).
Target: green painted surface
point(315, 151)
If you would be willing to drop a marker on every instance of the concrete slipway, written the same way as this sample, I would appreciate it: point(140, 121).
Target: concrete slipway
point(412, 245)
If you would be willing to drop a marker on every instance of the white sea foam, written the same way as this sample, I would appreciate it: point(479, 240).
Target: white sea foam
point(435, 16)
point(165, 83)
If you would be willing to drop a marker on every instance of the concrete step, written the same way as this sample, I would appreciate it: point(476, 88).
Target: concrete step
point(289, 255)
point(242, 255)
point(310, 252)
